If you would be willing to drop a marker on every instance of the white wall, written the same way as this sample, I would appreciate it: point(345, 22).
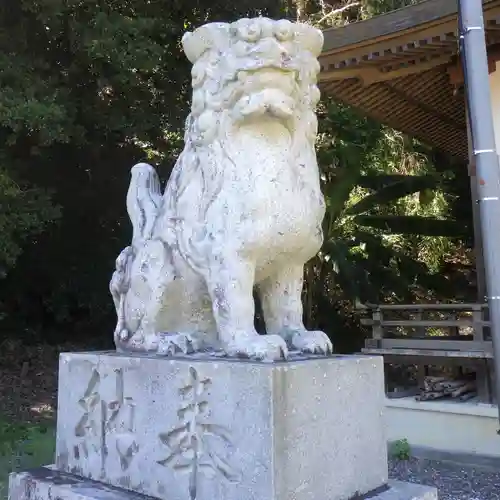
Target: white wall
point(494, 79)
point(469, 428)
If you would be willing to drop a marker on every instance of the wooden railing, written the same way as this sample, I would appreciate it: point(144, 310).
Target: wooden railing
point(458, 331)
point(433, 334)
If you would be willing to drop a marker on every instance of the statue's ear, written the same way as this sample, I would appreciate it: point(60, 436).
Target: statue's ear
point(194, 46)
point(206, 37)
point(309, 38)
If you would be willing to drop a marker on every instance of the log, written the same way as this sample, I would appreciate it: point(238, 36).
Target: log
point(451, 390)
point(470, 386)
point(450, 385)
point(442, 387)
point(430, 382)
point(430, 396)
point(467, 396)
point(433, 379)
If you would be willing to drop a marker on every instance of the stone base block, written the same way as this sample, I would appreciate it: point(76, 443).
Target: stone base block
point(205, 429)
point(399, 490)
point(48, 484)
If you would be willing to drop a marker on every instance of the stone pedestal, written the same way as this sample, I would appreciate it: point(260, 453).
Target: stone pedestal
point(205, 429)
point(47, 483)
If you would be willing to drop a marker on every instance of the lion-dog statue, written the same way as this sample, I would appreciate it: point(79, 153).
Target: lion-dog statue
point(242, 209)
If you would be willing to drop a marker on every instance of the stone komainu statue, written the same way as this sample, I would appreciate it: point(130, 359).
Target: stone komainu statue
point(242, 208)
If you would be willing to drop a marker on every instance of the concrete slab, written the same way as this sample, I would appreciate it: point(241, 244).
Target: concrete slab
point(46, 483)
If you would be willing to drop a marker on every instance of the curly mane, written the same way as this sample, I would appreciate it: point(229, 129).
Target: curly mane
point(199, 171)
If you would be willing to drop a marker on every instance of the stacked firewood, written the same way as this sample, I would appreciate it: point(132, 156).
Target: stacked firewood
point(442, 387)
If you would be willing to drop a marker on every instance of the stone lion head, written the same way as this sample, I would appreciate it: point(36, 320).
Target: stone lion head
point(242, 70)
point(252, 66)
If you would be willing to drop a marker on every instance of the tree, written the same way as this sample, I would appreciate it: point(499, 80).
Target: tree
point(24, 213)
point(393, 216)
point(326, 13)
point(88, 89)
point(389, 225)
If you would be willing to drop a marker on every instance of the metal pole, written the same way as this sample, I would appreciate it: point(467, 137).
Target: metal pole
point(476, 77)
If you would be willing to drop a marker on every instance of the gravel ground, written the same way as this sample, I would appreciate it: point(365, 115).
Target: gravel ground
point(453, 481)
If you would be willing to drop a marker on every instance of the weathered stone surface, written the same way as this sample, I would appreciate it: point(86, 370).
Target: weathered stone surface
point(243, 205)
point(49, 484)
point(181, 429)
point(399, 490)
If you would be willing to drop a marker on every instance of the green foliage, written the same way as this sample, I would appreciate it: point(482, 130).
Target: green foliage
point(389, 222)
point(88, 89)
point(364, 184)
point(338, 12)
point(408, 224)
point(24, 213)
point(377, 7)
point(23, 446)
point(401, 449)
point(72, 71)
point(388, 191)
point(25, 438)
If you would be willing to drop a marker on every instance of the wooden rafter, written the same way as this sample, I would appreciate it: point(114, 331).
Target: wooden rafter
point(374, 74)
point(432, 15)
point(444, 119)
point(401, 68)
point(426, 29)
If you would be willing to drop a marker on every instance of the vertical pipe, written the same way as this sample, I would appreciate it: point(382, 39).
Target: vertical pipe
point(476, 77)
point(476, 219)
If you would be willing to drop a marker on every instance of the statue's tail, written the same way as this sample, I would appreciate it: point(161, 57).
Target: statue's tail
point(144, 201)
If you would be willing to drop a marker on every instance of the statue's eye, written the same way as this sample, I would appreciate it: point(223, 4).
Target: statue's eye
point(283, 30)
point(248, 31)
point(252, 32)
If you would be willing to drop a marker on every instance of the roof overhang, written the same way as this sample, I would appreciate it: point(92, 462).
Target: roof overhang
point(402, 69)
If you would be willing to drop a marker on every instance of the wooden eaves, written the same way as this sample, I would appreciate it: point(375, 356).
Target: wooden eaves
point(402, 69)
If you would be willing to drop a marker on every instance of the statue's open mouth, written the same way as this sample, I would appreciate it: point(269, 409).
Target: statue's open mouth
point(267, 91)
point(270, 101)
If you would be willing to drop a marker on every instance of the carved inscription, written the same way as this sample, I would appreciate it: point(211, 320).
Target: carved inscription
point(121, 422)
point(90, 424)
point(189, 441)
point(102, 418)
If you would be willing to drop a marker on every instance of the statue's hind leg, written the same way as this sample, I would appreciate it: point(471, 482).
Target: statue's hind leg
point(187, 323)
point(139, 291)
point(163, 306)
point(281, 297)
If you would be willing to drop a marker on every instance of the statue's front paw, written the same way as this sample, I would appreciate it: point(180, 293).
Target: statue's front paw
point(313, 342)
point(121, 335)
point(259, 347)
point(170, 344)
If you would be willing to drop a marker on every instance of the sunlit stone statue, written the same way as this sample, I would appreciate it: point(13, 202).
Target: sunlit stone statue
point(242, 208)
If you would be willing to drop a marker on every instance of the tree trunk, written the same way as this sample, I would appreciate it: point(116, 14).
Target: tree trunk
point(301, 6)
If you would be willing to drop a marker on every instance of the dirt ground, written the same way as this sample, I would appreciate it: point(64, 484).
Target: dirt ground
point(28, 381)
